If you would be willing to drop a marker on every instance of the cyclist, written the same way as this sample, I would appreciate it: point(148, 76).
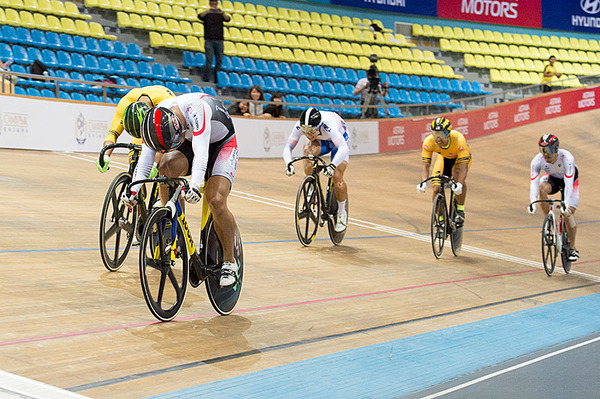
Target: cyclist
point(454, 159)
point(554, 170)
point(326, 132)
point(149, 95)
point(196, 137)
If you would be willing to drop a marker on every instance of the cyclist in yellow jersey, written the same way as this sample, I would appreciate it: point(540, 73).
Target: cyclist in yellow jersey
point(454, 160)
point(150, 95)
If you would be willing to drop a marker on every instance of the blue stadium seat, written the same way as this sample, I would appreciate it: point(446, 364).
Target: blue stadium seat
point(270, 84)
point(394, 112)
point(20, 69)
point(294, 86)
point(158, 71)
point(93, 45)
point(478, 88)
point(426, 83)
point(305, 86)
point(250, 65)
point(91, 63)
point(384, 77)
point(183, 88)
point(24, 36)
point(307, 72)
point(445, 84)
point(49, 58)
point(405, 82)
point(285, 69)
point(361, 73)
point(210, 91)
point(272, 68)
point(48, 93)
point(319, 72)
point(223, 79)
point(340, 90)
point(93, 98)
point(327, 104)
point(435, 97)
point(34, 54)
point(172, 86)
point(53, 40)
point(64, 60)
point(105, 66)
point(291, 98)
point(351, 76)
point(20, 91)
point(32, 91)
point(354, 111)
point(267, 96)
point(120, 50)
point(349, 90)
point(330, 74)
point(304, 99)
point(189, 59)
point(237, 64)
point(145, 69)
point(425, 98)
point(66, 42)
point(227, 65)
point(77, 96)
point(196, 89)
point(107, 48)
point(172, 73)
point(466, 87)
point(133, 82)
point(317, 88)
point(80, 44)
point(125, 67)
point(20, 55)
point(436, 85)
point(404, 97)
point(258, 80)
point(415, 82)
point(394, 95)
point(414, 97)
point(329, 89)
point(337, 101)
point(78, 61)
point(145, 82)
point(65, 85)
point(455, 86)
point(39, 38)
point(446, 97)
point(246, 81)
point(9, 34)
point(296, 70)
point(135, 51)
point(341, 75)
point(395, 80)
point(5, 51)
point(282, 84)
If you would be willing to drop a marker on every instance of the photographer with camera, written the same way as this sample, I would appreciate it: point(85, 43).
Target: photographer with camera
point(371, 90)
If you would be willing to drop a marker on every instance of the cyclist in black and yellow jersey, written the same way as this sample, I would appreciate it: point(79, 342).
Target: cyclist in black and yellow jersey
point(129, 115)
point(454, 159)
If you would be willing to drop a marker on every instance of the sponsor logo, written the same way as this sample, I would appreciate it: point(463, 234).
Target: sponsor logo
point(493, 122)
point(462, 126)
point(14, 123)
point(267, 139)
point(80, 136)
point(588, 100)
point(491, 8)
point(590, 6)
point(398, 136)
point(523, 113)
point(392, 3)
point(555, 106)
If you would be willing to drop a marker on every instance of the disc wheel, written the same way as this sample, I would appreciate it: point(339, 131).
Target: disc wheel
point(116, 225)
point(456, 236)
point(548, 244)
point(564, 254)
point(438, 225)
point(223, 299)
point(308, 205)
point(164, 265)
point(336, 237)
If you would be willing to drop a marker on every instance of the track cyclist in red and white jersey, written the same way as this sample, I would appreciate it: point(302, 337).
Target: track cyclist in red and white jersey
point(197, 137)
point(554, 170)
point(326, 132)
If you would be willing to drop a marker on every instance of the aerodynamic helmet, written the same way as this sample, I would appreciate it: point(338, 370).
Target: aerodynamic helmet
point(133, 117)
point(549, 143)
point(442, 125)
point(162, 130)
point(310, 119)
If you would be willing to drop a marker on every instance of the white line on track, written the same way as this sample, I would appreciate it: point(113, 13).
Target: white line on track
point(506, 370)
point(365, 224)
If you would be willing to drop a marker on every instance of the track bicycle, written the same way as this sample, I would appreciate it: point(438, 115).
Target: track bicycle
point(554, 236)
point(169, 259)
point(313, 208)
point(119, 225)
point(442, 218)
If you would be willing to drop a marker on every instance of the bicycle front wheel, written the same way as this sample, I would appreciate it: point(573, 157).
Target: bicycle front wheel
point(548, 244)
point(117, 225)
point(456, 236)
point(336, 237)
point(164, 264)
point(223, 299)
point(308, 206)
point(439, 216)
point(564, 253)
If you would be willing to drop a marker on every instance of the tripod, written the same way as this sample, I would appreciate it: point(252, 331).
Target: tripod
point(373, 97)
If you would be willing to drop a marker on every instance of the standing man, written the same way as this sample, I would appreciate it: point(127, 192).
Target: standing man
point(213, 19)
point(549, 73)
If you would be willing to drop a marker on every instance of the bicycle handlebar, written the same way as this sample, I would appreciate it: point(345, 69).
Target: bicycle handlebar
point(550, 201)
point(129, 146)
point(445, 179)
point(316, 159)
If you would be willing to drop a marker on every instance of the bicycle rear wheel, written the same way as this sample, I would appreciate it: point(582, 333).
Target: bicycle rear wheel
point(116, 224)
point(223, 299)
point(548, 244)
point(164, 265)
point(308, 205)
point(336, 237)
point(456, 236)
point(564, 253)
point(439, 216)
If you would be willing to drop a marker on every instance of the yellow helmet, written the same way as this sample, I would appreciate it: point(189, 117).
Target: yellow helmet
point(441, 125)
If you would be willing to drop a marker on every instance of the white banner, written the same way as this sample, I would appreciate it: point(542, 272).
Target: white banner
point(55, 125)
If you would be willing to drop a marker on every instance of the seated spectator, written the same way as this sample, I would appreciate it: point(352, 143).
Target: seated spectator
point(240, 108)
point(274, 110)
point(256, 93)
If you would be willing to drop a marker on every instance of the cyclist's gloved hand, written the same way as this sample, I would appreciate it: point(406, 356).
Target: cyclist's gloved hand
point(104, 168)
point(329, 170)
point(192, 195)
point(289, 171)
point(457, 188)
point(565, 210)
point(421, 187)
point(153, 171)
point(129, 200)
point(531, 209)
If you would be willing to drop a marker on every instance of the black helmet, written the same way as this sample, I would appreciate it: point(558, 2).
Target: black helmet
point(441, 125)
point(133, 116)
point(311, 117)
point(161, 129)
point(550, 142)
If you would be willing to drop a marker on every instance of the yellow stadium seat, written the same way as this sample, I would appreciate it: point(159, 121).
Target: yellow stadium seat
point(573, 56)
point(427, 69)
point(168, 40)
point(535, 40)
point(524, 78)
point(254, 51)
point(386, 52)
point(504, 50)
point(469, 60)
point(27, 20)
point(506, 76)
point(238, 20)
point(417, 30)
point(507, 38)
point(53, 23)
point(194, 43)
point(292, 40)
point(519, 64)
point(261, 23)
point(445, 45)
point(336, 46)
point(112, 4)
point(463, 46)
point(305, 28)
point(587, 69)
point(185, 27)
point(545, 41)
point(239, 8)
point(153, 9)
point(523, 52)
point(276, 25)
point(534, 52)
point(427, 30)
point(397, 52)
point(294, 15)
point(449, 72)
point(344, 61)
point(271, 39)
point(173, 26)
point(529, 66)
point(436, 70)
point(30, 5)
point(478, 35)
point(261, 11)
point(314, 43)
point(418, 55)
point(565, 67)
point(241, 49)
point(454, 45)
point(490, 62)
point(295, 28)
point(583, 56)
point(68, 25)
point(577, 68)
point(468, 34)
point(517, 39)
point(448, 33)
point(135, 21)
point(385, 65)
point(325, 45)
point(198, 28)
point(488, 36)
point(495, 75)
point(497, 37)
point(250, 9)
point(287, 53)
point(235, 34)
point(250, 22)
point(509, 63)
point(272, 12)
point(500, 62)
point(326, 31)
point(303, 42)
point(128, 6)
point(310, 56)
point(147, 22)
point(494, 49)
point(140, 7)
point(563, 55)
point(406, 54)
point(480, 61)
point(474, 47)
point(484, 48)
point(156, 39)
point(190, 13)
point(535, 78)
point(96, 30)
point(437, 31)
point(321, 58)
point(178, 12)
point(161, 24)
point(458, 33)
point(229, 48)
point(317, 30)
point(165, 10)
point(299, 56)
point(180, 42)
point(592, 57)
point(278, 54)
point(258, 37)
point(584, 44)
point(332, 60)
point(283, 14)
point(123, 20)
point(338, 33)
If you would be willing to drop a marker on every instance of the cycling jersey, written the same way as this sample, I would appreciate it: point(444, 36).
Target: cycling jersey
point(457, 148)
point(332, 136)
point(564, 169)
point(156, 95)
point(211, 132)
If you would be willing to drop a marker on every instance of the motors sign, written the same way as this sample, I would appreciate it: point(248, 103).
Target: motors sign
point(507, 12)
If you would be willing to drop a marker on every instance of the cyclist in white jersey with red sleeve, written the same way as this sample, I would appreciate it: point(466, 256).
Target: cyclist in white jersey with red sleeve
point(554, 170)
point(326, 132)
point(197, 136)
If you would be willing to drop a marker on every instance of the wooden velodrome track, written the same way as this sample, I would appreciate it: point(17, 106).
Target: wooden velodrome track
point(67, 322)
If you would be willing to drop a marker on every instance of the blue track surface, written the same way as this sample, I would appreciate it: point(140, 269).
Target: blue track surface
point(400, 367)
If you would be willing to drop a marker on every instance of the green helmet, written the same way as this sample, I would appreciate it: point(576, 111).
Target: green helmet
point(133, 117)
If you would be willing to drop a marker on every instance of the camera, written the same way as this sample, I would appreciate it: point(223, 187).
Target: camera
point(373, 75)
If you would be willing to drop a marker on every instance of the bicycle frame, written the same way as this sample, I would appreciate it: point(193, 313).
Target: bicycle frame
point(560, 238)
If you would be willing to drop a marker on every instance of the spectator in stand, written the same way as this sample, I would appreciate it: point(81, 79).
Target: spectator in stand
point(549, 73)
point(256, 93)
point(8, 81)
point(240, 108)
point(213, 19)
point(274, 110)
